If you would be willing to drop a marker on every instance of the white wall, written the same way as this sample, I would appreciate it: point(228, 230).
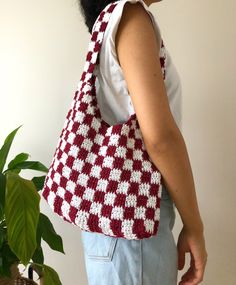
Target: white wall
point(42, 51)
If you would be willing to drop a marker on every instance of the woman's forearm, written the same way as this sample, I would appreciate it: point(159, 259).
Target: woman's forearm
point(173, 162)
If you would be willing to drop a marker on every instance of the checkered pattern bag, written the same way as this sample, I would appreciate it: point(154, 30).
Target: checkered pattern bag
point(101, 177)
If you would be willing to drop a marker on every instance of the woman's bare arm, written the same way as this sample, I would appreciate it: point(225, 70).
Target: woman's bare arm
point(138, 53)
point(173, 161)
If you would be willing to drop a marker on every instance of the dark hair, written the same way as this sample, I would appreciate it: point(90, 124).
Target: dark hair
point(91, 9)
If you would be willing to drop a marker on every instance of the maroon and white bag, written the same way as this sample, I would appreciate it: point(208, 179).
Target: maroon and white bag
point(101, 177)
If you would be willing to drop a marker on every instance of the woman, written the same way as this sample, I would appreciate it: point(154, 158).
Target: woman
point(136, 75)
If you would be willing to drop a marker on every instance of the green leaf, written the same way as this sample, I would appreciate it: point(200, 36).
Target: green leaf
point(38, 268)
point(6, 147)
point(39, 182)
point(19, 158)
point(22, 214)
point(35, 165)
point(8, 254)
point(38, 255)
point(3, 235)
point(5, 268)
point(17, 171)
point(49, 235)
point(50, 276)
point(2, 195)
point(7, 258)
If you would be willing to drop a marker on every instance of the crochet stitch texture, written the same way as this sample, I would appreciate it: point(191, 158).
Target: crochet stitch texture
point(101, 177)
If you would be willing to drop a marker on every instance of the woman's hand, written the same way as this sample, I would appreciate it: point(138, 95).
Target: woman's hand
point(193, 242)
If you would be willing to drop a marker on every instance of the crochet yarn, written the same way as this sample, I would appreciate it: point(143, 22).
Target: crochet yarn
point(101, 177)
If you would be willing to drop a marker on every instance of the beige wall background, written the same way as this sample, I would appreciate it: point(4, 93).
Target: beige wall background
point(42, 51)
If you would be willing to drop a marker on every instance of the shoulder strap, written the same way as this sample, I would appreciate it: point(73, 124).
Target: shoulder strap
point(96, 42)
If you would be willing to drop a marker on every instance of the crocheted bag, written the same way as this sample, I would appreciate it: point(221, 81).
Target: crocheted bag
point(101, 177)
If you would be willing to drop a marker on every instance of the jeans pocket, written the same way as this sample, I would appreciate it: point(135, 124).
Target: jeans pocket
point(98, 246)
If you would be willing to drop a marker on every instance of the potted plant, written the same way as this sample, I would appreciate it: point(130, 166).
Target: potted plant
point(22, 225)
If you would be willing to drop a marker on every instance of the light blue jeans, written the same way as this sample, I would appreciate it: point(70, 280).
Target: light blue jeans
point(118, 261)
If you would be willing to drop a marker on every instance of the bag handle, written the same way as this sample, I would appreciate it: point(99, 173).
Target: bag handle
point(96, 42)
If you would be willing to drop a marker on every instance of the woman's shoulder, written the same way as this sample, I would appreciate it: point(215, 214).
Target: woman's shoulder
point(121, 14)
point(128, 5)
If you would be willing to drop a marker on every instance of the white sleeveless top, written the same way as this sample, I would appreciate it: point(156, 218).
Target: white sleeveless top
point(111, 89)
